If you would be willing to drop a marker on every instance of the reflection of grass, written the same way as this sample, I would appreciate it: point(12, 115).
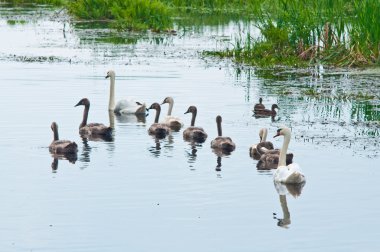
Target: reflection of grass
point(118, 40)
point(342, 97)
point(355, 96)
point(51, 2)
point(14, 22)
point(311, 92)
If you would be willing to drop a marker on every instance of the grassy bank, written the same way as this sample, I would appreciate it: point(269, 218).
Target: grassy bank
point(147, 14)
point(124, 14)
point(293, 32)
point(304, 32)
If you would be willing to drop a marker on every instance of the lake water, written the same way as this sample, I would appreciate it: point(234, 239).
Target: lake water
point(137, 194)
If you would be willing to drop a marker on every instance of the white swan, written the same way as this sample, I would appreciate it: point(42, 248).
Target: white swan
point(174, 123)
point(129, 106)
point(290, 174)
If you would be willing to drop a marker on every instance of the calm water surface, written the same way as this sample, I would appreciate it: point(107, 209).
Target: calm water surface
point(138, 194)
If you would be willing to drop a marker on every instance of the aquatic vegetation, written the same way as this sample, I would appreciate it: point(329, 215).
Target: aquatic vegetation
point(311, 92)
point(14, 22)
point(298, 32)
point(50, 2)
point(124, 14)
point(294, 33)
point(205, 7)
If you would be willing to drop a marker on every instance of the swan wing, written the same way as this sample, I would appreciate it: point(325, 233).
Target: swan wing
point(290, 174)
point(129, 106)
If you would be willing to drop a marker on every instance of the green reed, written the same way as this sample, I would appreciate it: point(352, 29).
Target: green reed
point(293, 32)
point(124, 14)
point(334, 32)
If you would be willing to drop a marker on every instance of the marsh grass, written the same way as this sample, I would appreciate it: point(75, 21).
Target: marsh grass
point(299, 32)
point(124, 14)
point(47, 2)
point(293, 32)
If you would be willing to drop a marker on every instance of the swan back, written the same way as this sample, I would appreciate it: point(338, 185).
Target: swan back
point(61, 146)
point(173, 122)
point(254, 150)
point(87, 130)
point(224, 144)
point(290, 174)
point(159, 130)
point(126, 106)
point(193, 133)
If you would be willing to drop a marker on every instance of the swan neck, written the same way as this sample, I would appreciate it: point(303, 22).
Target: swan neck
point(193, 118)
point(265, 134)
point(158, 111)
point(85, 115)
point(56, 136)
point(219, 125)
point(171, 103)
point(284, 206)
point(111, 117)
point(284, 149)
point(111, 104)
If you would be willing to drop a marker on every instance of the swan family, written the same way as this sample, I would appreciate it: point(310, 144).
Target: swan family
point(285, 171)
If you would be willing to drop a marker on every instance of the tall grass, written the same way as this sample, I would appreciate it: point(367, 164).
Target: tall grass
point(336, 32)
point(128, 14)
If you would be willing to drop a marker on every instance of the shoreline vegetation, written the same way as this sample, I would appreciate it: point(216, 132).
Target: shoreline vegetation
point(294, 33)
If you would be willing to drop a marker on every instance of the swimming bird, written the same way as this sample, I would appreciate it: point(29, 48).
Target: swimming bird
point(61, 146)
point(254, 150)
point(159, 130)
point(193, 133)
point(269, 159)
point(91, 129)
point(288, 174)
point(126, 106)
point(259, 106)
point(220, 143)
point(267, 112)
point(174, 123)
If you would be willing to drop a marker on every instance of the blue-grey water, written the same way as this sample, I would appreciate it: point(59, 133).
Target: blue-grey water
point(136, 194)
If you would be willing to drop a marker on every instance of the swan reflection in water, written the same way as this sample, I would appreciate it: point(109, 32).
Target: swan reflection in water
point(71, 157)
point(131, 118)
point(219, 155)
point(166, 142)
point(282, 190)
point(275, 118)
point(192, 153)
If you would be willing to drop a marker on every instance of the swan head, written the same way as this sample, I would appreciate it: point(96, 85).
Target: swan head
point(191, 109)
point(168, 100)
point(283, 131)
point(110, 73)
point(84, 102)
point(275, 106)
point(218, 119)
point(260, 100)
point(54, 126)
point(155, 106)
